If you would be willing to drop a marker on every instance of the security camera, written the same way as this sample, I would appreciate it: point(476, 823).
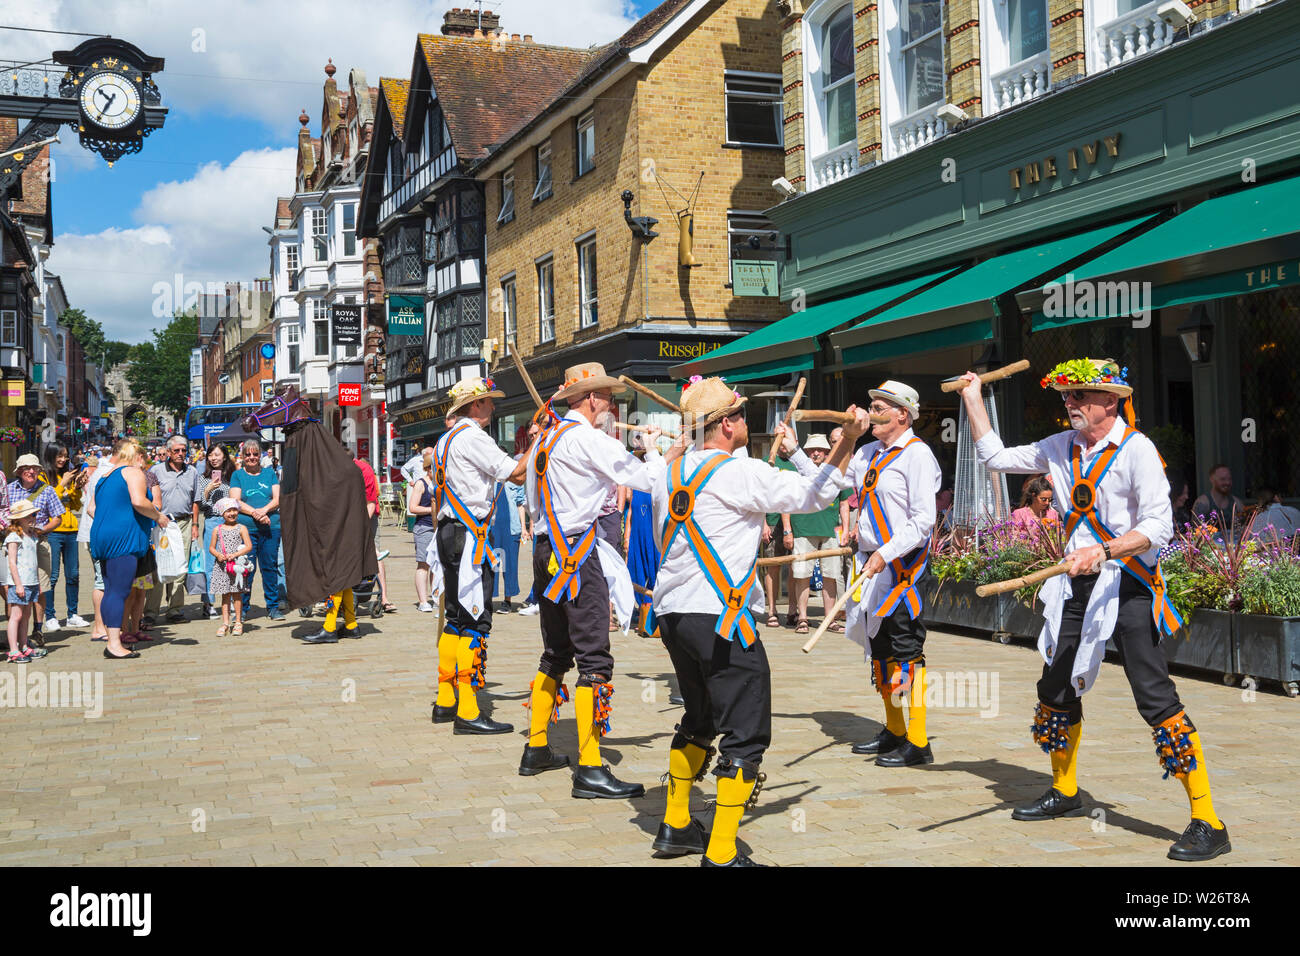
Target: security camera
point(754, 242)
point(1175, 13)
point(784, 187)
point(952, 115)
point(374, 379)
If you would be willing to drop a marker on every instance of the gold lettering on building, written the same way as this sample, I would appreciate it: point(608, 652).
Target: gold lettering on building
point(1015, 177)
point(1074, 159)
point(1090, 152)
point(1032, 174)
point(1112, 144)
point(1049, 167)
point(1026, 174)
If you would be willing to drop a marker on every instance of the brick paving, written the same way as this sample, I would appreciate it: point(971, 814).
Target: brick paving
point(261, 750)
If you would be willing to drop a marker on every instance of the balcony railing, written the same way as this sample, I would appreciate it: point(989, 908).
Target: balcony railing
point(1025, 81)
point(920, 129)
point(1133, 35)
point(840, 163)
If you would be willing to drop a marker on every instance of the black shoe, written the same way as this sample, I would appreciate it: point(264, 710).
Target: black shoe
point(352, 632)
point(176, 617)
point(321, 637)
point(738, 860)
point(482, 724)
point(1200, 842)
point(885, 742)
point(679, 841)
point(541, 759)
point(276, 615)
point(677, 699)
point(444, 715)
point(114, 657)
point(1051, 804)
point(590, 783)
point(907, 754)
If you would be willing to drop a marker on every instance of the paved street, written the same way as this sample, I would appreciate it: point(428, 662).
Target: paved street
point(260, 750)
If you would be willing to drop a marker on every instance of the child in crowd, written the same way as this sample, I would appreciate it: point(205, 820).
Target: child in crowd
point(229, 542)
point(20, 578)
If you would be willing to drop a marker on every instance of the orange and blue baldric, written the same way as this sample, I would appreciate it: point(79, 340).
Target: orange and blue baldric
point(904, 574)
point(736, 620)
point(1083, 508)
point(443, 492)
point(567, 581)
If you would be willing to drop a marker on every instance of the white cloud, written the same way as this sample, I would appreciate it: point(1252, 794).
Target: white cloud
point(206, 228)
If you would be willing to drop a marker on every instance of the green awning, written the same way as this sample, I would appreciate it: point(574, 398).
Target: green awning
point(968, 333)
point(1235, 244)
point(790, 344)
point(968, 297)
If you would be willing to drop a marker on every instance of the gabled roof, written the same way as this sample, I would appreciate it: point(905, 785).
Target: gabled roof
point(394, 93)
point(487, 89)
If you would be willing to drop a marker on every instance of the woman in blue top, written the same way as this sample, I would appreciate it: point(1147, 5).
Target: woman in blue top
point(257, 490)
point(119, 536)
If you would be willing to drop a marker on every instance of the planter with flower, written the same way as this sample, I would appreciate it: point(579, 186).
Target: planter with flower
point(12, 436)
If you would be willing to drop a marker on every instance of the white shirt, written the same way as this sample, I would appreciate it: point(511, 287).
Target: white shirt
point(584, 464)
point(86, 520)
point(414, 469)
point(474, 465)
point(732, 511)
point(1134, 495)
point(906, 490)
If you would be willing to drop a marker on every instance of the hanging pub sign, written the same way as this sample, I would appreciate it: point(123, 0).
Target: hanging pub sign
point(754, 277)
point(406, 315)
point(347, 325)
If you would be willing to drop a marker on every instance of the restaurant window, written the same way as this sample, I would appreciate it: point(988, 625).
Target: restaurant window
point(586, 144)
point(587, 313)
point(1267, 325)
point(543, 172)
point(546, 300)
point(507, 212)
point(753, 108)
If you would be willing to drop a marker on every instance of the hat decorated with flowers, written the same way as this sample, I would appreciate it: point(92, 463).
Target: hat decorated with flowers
point(705, 400)
point(471, 389)
point(1102, 375)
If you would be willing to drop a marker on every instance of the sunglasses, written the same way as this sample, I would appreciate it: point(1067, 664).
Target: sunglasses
point(1080, 395)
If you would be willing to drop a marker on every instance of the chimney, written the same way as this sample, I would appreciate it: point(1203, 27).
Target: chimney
point(528, 38)
point(463, 22)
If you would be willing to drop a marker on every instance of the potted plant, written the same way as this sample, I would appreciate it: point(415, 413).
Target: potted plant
point(1268, 626)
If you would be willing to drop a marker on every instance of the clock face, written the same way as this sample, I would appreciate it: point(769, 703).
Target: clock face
point(110, 100)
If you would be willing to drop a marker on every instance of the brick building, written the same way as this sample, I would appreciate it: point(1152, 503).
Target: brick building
point(680, 116)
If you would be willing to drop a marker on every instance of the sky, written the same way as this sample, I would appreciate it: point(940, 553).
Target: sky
point(193, 202)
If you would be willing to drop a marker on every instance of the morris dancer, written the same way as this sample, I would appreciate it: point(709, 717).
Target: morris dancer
point(1119, 519)
point(705, 597)
point(897, 478)
point(467, 464)
point(572, 468)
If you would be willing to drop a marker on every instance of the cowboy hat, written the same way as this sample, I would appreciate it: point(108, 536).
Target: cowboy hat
point(816, 441)
point(584, 378)
point(22, 509)
point(1100, 375)
point(471, 389)
point(707, 400)
point(904, 396)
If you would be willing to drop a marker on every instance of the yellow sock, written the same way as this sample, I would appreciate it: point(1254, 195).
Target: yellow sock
point(1197, 784)
point(467, 707)
point(584, 711)
point(332, 615)
point(447, 644)
point(541, 706)
point(894, 722)
point(916, 707)
point(683, 765)
point(1065, 763)
point(732, 795)
point(349, 609)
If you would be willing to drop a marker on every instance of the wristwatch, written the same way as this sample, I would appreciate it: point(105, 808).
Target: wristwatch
point(1105, 547)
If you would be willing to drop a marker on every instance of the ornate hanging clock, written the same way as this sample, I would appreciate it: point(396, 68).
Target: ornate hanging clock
point(112, 84)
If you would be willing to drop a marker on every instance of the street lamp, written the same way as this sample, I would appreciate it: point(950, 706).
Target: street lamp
point(1197, 335)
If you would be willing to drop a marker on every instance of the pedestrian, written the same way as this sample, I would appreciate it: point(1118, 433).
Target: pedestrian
point(508, 521)
point(818, 531)
point(1035, 506)
point(21, 580)
point(1272, 518)
point(32, 486)
point(68, 483)
point(178, 488)
point(419, 502)
point(120, 538)
point(213, 486)
point(528, 532)
point(257, 490)
point(418, 465)
point(228, 543)
point(102, 466)
point(640, 542)
point(1179, 492)
point(372, 512)
point(1219, 506)
point(777, 541)
point(1119, 520)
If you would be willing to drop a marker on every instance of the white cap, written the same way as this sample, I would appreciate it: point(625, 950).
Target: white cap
point(224, 505)
point(902, 395)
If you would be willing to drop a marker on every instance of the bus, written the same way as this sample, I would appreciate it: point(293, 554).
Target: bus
point(203, 421)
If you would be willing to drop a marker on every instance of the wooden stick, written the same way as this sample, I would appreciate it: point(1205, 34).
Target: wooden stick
point(997, 375)
point(856, 583)
point(794, 403)
point(1015, 584)
point(643, 591)
point(639, 428)
point(822, 415)
point(808, 556)
point(528, 382)
point(650, 393)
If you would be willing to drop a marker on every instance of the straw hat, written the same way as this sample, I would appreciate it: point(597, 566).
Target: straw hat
point(705, 400)
point(816, 441)
point(584, 378)
point(471, 389)
point(23, 509)
point(899, 394)
point(1101, 375)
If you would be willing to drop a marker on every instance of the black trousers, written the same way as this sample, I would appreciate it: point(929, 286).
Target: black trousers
point(451, 544)
point(574, 628)
point(727, 687)
point(901, 638)
point(1138, 642)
